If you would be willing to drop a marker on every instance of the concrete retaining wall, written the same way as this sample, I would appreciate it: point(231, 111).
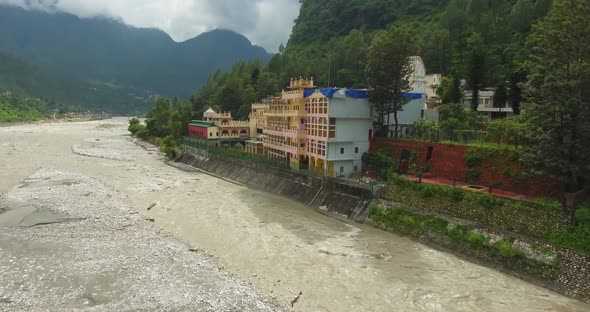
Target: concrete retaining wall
point(321, 193)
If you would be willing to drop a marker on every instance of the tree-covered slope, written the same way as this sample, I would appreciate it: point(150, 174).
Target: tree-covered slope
point(58, 92)
point(333, 35)
point(320, 21)
point(482, 41)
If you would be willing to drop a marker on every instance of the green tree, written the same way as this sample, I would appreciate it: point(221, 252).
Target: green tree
point(388, 72)
point(500, 96)
point(454, 117)
point(517, 77)
point(230, 97)
point(476, 68)
point(449, 89)
point(159, 118)
point(558, 93)
point(267, 85)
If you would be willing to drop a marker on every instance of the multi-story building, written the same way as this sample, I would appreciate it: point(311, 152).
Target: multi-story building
point(220, 127)
point(430, 111)
point(486, 106)
point(325, 131)
point(432, 83)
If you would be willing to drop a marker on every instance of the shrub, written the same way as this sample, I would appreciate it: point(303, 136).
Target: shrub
point(458, 233)
point(457, 194)
point(426, 191)
point(473, 174)
point(168, 146)
point(134, 126)
point(577, 236)
point(476, 239)
point(381, 162)
point(490, 202)
point(397, 179)
point(549, 203)
point(473, 158)
point(142, 133)
point(438, 225)
point(507, 250)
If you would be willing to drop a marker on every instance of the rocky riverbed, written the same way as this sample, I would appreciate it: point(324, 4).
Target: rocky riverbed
point(68, 242)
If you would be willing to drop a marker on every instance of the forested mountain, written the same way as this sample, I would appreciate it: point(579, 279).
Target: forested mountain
point(447, 31)
point(66, 93)
point(481, 40)
point(104, 53)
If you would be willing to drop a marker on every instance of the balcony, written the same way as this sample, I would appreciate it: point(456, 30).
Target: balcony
point(491, 108)
point(292, 132)
point(292, 95)
point(233, 124)
point(281, 147)
point(259, 106)
point(281, 113)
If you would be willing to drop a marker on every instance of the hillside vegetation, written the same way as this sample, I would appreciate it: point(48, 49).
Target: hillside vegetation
point(104, 64)
point(66, 94)
point(14, 107)
point(330, 41)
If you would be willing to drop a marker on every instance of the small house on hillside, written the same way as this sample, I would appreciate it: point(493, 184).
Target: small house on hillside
point(487, 107)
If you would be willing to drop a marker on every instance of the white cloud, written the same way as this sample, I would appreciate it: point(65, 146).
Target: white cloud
point(267, 23)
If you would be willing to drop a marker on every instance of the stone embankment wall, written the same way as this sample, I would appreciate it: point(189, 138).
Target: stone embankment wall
point(321, 193)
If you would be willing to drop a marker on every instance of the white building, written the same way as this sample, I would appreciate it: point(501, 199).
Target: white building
point(325, 131)
point(430, 111)
point(486, 105)
point(350, 129)
point(432, 82)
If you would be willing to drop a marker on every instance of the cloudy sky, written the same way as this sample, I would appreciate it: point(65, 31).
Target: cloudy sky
point(265, 22)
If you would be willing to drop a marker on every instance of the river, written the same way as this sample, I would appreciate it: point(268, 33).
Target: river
point(282, 247)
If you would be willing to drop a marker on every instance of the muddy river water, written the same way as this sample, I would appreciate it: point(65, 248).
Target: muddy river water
point(280, 246)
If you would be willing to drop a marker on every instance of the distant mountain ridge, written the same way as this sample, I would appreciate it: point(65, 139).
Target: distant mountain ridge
point(105, 51)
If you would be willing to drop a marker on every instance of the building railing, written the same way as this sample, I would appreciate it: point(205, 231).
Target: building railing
point(492, 108)
point(233, 124)
point(259, 106)
point(281, 147)
point(294, 92)
point(278, 113)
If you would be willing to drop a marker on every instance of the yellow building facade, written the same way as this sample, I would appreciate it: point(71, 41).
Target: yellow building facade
point(296, 128)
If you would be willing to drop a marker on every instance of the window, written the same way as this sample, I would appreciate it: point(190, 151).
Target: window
point(332, 132)
point(356, 150)
point(341, 169)
point(342, 150)
point(356, 168)
point(210, 133)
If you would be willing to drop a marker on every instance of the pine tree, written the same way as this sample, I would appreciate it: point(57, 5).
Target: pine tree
point(558, 110)
point(388, 72)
